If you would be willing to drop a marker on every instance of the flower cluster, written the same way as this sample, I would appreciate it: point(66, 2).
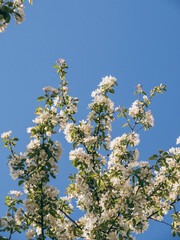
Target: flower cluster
point(11, 8)
point(34, 168)
point(6, 134)
point(117, 193)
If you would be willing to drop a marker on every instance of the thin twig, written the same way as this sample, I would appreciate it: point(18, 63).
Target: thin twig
point(113, 223)
point(70, 218)
point(161, 222)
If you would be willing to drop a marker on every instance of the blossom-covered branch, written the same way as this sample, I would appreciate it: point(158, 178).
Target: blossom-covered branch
point(117, 193)
point(11, 8)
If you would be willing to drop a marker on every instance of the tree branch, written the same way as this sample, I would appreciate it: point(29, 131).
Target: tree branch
point(70, 218)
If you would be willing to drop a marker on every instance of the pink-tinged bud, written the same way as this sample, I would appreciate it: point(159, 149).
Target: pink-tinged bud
point(65, 89)
point(57, 62)
point(62, 61)
point(139, 87)
point(118, 109)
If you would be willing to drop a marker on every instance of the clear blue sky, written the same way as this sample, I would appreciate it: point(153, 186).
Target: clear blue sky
point(136, 41)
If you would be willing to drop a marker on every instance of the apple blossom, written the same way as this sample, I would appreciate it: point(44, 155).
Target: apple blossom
point(117, 193)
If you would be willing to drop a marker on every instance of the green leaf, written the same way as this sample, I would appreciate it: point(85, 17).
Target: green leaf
point(92, 174)
point(7, 204)
point(134, 222)
point(161, 151)
point(105, 147)
point(56, 66)
point(38, 113)
point(5, 145)
point(101, 185)
point(141, 182)
point(74, 145)
point(15, 139)
point(20, 182)
point(40, 98)
point(8, 198)
point(111, 90)
point(75, 162)
point(156, 168)
point(6, 15)
point(52, 175)
point(153, 157)
point(39, 108)
point(18, 230)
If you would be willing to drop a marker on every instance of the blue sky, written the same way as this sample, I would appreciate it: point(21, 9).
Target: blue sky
point(136, 41)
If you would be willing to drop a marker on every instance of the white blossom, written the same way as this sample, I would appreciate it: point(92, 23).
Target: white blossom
point(133, 138)
point(18, 215)
point(149, 118)
point(6, 134)
point(16, 193)
point(34, 143)
point(68, 132)
point(108, 81)
point(3, 223)
point(117, 141)
point(30, 234)
point(178, 140)
point(135, 109)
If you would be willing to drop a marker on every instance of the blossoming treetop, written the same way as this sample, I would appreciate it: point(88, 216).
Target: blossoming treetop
point(117, 193)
